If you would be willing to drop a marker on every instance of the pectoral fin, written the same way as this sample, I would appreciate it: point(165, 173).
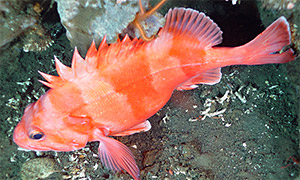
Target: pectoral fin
point(116, 156)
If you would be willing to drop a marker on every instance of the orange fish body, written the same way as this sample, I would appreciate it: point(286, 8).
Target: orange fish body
point(116, 88)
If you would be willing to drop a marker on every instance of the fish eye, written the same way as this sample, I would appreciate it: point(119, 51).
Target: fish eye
point(36, 135)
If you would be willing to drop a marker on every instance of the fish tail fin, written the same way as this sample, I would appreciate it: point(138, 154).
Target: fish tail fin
point(116, 156)
point(271, 46)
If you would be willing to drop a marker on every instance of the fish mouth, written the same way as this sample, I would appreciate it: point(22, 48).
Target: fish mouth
point(45, 148)
point(34, 148)
point(64, 148)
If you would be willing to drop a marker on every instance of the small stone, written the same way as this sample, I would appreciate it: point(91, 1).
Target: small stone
point(38, 168)
point(150, 157)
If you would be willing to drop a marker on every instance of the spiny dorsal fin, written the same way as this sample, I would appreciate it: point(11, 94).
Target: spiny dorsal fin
point(190, 23)
point(94, 59)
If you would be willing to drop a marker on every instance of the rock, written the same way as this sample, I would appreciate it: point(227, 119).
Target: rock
point(88, 20)
point(38, 168)
point(14, 21)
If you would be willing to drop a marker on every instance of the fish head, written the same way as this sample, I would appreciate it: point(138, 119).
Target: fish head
point(43, 127)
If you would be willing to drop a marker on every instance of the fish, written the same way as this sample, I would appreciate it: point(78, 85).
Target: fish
point(117, 87)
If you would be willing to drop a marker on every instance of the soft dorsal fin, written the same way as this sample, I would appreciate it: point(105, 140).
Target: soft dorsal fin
point(193, 24)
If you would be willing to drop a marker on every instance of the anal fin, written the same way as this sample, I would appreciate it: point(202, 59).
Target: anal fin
point(144, 126)
point(210, 77)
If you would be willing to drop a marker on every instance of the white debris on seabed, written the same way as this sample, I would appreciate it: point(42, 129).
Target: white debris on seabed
point(216, 107)
point(95, 167)
point(208, 104)
point(223, 98)
point(166, 118)
point(76, 167)
point(134, 146)
point(239, 95)
point(206, 113)
point(227, 125)
point(234, 2)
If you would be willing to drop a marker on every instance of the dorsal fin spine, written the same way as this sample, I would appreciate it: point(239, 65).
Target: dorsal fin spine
point(78, 64)
point(91, 58)
point(126, 39)
point(64, 72)
point(103, 44)
point(47, 84)
point(101, 51)
point(52, 81)
point(48, 77)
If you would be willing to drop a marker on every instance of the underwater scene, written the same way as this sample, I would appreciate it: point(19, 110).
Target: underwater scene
point(149, 89)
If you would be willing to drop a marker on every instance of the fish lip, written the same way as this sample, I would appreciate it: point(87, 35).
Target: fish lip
point(34, 148)
point(45, 148)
